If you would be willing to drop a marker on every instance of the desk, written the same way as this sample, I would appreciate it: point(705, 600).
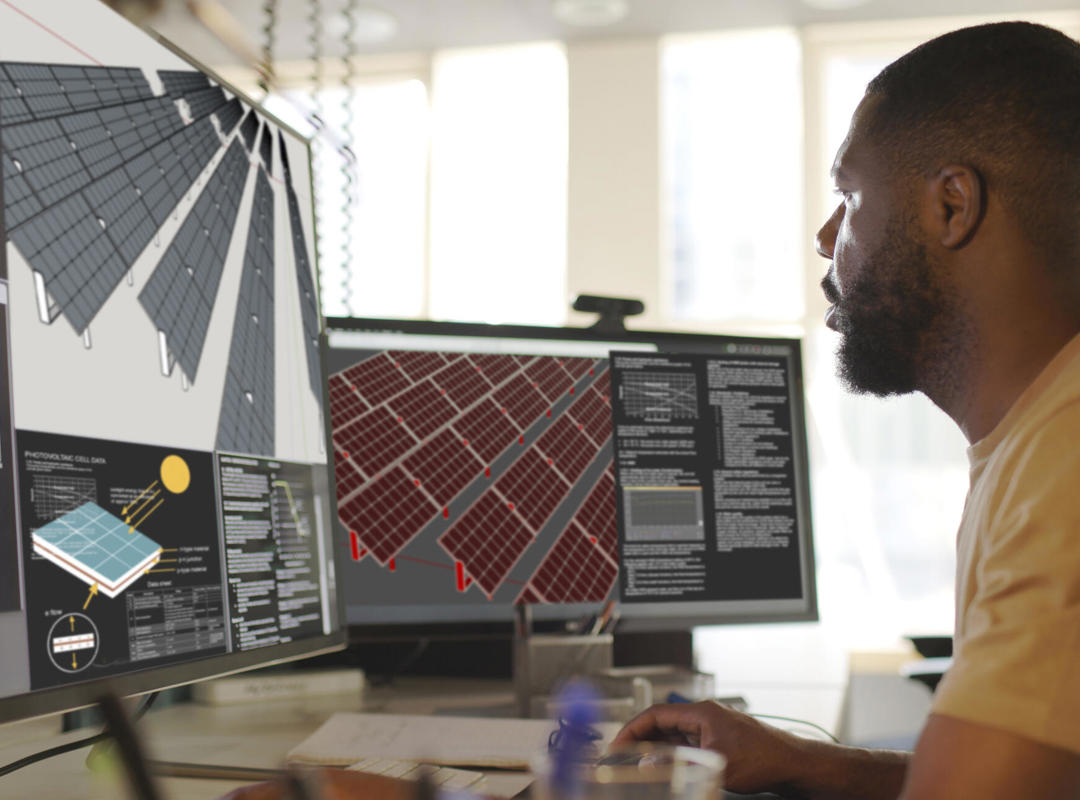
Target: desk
point(252, 735)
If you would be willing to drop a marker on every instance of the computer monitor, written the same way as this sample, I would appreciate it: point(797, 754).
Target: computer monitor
point(165, 494)
point(483, 466)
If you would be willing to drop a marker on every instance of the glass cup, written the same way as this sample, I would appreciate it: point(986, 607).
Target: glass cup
point(641, 771)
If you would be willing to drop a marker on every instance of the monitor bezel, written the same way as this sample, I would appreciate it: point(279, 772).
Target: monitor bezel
point(554, 617)
point(53, 700)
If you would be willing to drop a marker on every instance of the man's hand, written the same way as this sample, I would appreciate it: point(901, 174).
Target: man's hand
point(334, 784)
point(760, 757)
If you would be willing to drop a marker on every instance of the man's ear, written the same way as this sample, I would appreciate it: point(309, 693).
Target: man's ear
point(958, 198)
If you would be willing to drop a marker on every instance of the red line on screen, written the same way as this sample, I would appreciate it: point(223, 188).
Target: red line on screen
point(50, 31)
point(425, 563)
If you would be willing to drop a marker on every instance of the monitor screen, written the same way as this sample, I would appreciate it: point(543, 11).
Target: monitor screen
point(483, 466)
point(165, 495)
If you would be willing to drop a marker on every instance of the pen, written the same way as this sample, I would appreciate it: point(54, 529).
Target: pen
point(609, 626)
point(602, 620)
point(424, 787)
point(302, 784)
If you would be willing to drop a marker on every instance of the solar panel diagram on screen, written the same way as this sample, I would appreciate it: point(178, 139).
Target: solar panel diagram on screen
point(309, 308)
point(481, 452)
point(97, 160)
point(97, 548)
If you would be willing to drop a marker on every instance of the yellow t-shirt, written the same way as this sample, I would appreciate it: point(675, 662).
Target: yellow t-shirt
point(1016, 661)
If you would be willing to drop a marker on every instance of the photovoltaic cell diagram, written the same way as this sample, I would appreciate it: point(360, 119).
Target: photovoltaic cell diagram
point(309, 308)
point(93, 164)
point(180, 294)
point(97, 548)
point(246, 424)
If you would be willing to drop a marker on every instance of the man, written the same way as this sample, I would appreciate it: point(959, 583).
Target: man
point(955, 271)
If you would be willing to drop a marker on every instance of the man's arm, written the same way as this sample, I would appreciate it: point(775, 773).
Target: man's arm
point(957, 758)
point(953, 758)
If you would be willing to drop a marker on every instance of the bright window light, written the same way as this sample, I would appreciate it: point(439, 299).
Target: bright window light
point(498, 185)
point(732, 125)
point(385, 277)
point(380, 272)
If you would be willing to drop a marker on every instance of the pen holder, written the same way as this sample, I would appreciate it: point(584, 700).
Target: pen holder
point(543, 661)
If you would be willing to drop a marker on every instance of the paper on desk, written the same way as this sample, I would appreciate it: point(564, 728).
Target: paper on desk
point(346, 738)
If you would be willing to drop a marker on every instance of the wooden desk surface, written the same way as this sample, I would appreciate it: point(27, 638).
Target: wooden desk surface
point(252, 735)
point(260, 734)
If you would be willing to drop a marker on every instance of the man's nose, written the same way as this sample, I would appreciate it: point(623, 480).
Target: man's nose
point(826, 237)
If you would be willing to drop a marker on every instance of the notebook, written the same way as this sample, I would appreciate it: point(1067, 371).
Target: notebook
point(348, 737)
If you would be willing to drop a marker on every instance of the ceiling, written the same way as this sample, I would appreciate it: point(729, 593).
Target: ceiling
point(430, 24)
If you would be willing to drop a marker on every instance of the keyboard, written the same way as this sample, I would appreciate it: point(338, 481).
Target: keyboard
point(446, 777)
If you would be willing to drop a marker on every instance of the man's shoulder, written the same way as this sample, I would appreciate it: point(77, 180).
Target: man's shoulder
point(1044, 436)
point(1056, 395)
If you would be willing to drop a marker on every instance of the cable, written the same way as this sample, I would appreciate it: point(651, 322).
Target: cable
point(405, 663)
point(67, 748)
point(269, 29)
point(799, 721)
point(120, 727)
point(315, 36)
point(349, 195)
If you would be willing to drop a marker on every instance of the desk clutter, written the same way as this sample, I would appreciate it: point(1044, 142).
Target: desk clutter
point(545, 662)
point(347, 738)
point(407, 770)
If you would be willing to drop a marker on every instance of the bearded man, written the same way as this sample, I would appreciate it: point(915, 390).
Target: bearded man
point(955, 271)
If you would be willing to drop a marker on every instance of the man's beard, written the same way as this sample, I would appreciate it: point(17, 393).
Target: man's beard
point(890, 319)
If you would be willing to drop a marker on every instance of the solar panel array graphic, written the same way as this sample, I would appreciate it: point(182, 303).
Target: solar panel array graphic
point(583, 564)
point(248, 130)
point(246, 424)
point(228, 115)
point(412, 431)
point(309, 309)
point(205, 101)
point(93, 164)
point(180, 294)
point(178, 83)
point(38, 91)
point(266, 148)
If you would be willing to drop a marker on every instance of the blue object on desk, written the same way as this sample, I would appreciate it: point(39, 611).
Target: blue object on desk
point(573, 743)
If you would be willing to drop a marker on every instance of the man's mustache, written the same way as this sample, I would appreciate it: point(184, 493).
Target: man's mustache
point(828, 286)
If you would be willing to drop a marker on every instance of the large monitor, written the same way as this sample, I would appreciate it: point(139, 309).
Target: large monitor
point(165, 496)
point(484, 466)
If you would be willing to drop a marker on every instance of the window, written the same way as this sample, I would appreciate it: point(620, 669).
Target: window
point(372, 258)
point(457, 192)
point(498, 185)
point(732, 131)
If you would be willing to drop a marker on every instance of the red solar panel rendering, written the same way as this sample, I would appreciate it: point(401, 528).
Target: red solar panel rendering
point(489, 473)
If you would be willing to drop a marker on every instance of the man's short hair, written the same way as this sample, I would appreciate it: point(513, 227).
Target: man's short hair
point(1002, 98)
